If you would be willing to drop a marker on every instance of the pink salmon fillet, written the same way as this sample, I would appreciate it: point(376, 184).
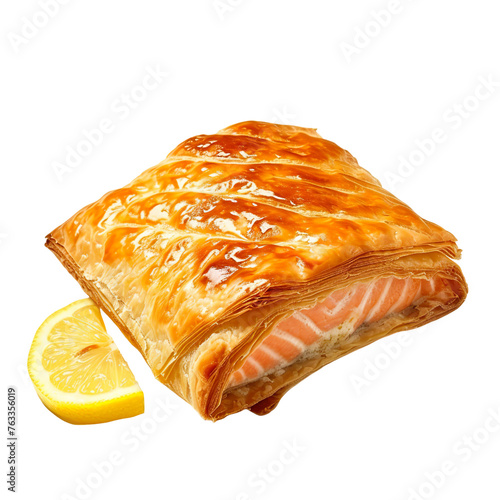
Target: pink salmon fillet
point(350, 307)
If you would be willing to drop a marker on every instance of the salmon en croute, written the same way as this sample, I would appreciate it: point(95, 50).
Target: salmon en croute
point(249, 259)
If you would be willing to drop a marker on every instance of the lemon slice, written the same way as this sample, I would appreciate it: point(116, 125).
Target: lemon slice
point(78, 371)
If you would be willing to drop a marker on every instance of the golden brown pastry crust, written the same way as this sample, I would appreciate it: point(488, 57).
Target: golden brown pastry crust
point(198, 257)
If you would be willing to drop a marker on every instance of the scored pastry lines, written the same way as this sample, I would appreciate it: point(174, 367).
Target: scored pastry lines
point(196, 162)
point(333, 165)
point(275, 204)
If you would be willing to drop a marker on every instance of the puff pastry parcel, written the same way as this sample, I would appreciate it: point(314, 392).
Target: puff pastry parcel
point(249, 259)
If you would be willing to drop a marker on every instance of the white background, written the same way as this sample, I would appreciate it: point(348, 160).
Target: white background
point(286, 61)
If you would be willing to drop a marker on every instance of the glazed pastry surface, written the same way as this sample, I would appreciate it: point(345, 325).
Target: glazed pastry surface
point(200, 257)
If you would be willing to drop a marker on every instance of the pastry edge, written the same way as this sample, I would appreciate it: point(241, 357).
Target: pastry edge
point(89, 287)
